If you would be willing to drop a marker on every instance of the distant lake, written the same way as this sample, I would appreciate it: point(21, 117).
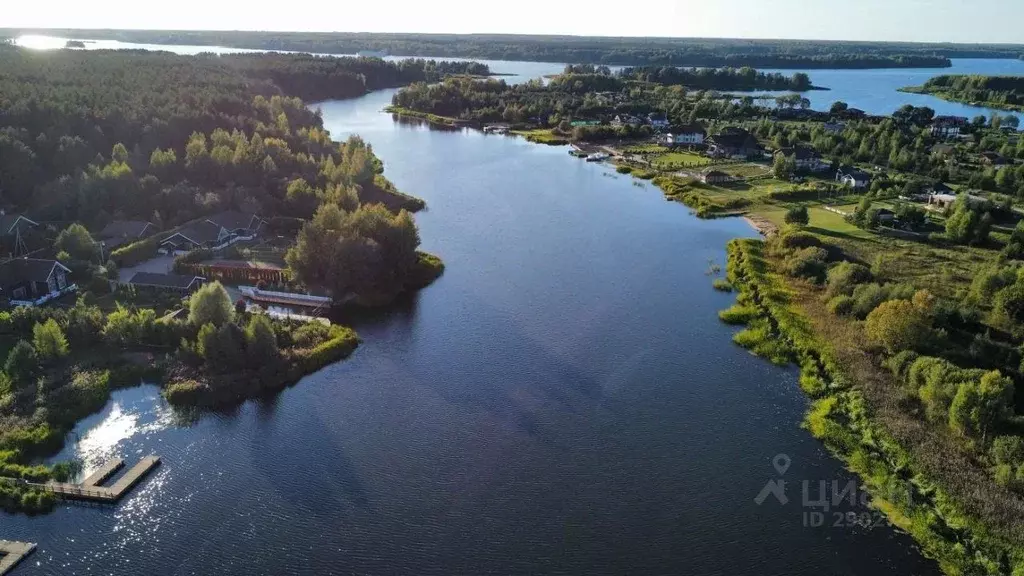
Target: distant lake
point(874, 90)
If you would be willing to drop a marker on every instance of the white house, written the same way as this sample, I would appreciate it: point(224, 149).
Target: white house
point(686, 136)
point(853, 178)
point(948, 126)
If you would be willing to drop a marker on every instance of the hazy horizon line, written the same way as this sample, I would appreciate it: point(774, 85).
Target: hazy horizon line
point(30, 29)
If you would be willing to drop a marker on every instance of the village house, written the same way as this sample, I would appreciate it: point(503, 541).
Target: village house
point(948, 126)
point(689, 135)
point(993, 159)
point(943, 201)
point(213, 232)
point(121, 232)
point(853, 178)
point(735, 143)
point(886, 216)
point(806, 159)
point(657, 120)
point(31, 281)
point(710, 176)
point(621, 120)
point(155, 282)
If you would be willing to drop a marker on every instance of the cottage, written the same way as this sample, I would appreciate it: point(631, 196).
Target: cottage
point(214, 232)
point(885, 215)
point(621, 120)
point(948, 126)
point(993, 159)
point(121, 232)
point(807, 159)
point(658, 121)
point(689, 135)
point(944, 201)
point(734, 143)
point(31, 282)
point(714, 177)
point(853, 178)
point(166, 282)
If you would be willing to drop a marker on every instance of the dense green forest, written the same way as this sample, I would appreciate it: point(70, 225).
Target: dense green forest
point(741, 79)
point(1006, 92)
point(790, 54)
point(89, 136)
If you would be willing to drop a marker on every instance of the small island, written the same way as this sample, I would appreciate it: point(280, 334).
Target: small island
point(74, 44)
point(1002, 92)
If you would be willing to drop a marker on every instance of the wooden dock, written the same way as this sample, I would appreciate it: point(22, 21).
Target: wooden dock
point(92, 490)
point(11, 553)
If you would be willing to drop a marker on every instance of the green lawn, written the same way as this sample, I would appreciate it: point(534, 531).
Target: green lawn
point(670, 160)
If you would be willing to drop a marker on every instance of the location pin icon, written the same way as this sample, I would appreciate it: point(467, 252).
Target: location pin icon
point(781, 463)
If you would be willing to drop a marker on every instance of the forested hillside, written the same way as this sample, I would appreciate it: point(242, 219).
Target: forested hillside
point(88, 136)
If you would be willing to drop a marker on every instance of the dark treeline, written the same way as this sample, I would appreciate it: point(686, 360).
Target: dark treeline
point(791, 54)
point(90, 136)
point(995, 90)
point(745, 78)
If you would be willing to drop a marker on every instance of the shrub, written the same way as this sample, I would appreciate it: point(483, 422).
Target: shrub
point(310, 334)
point(843, 277)
point(1007, 450)
point(210, 305)
point(841, 305)
point(722, 285)
point(795, 240)
point(807, 263)
point(897, 325)
point(797, 215)
point(22, 365)
point(49, 341)
point(623, 169)
point(184, 392)
point(260, 340)
point(738, 314)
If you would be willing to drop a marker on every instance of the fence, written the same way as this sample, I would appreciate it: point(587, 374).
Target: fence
point(236, 274)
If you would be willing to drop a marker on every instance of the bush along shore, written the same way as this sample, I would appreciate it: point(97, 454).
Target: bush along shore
point(66, 362)
point(843, 416)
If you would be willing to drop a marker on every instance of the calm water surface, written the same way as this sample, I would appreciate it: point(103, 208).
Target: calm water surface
point(563, 400)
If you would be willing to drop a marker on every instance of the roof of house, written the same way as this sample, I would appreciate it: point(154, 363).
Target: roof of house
point(800, 152)
point(27, 270)
point(9, 221)
point(233, 220)
point(124, 229)
point(208, 229)
point(940, 188)
point(949, 121)
point(993, 157)
point(690, 129)
point(735, 139)
point(854, 172)
point(163, 280)
point(657, 116)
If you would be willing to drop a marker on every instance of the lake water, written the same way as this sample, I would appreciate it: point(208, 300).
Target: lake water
point(563, 400)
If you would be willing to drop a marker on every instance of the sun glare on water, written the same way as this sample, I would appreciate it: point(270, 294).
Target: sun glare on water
point(38, 42)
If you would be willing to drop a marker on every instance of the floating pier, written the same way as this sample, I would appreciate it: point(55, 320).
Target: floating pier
point(11, 553)
point(92, 489)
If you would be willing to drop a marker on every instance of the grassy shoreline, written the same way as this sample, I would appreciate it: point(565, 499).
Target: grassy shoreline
point(850, 416)
point(951, 97)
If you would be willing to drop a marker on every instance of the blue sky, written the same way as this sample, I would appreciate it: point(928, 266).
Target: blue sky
point(910, 20)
